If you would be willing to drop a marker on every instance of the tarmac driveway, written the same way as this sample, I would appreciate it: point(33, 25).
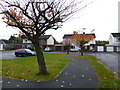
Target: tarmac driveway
point(7, 55)
point(112, 60)
point(11, 55)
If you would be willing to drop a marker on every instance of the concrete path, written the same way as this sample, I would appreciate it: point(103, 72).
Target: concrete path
point(77, 74)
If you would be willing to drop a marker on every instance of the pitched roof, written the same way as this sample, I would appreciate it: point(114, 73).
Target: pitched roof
point(42, 37)
point(45, 36)
point(68, 35)
point(116, 34)
point(4, 41)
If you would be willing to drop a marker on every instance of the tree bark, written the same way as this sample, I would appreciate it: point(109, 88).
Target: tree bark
point(40, 58)
point(68, 49)
point(81, 50)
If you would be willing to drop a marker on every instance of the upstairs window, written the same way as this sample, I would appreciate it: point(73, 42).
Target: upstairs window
point(25, 40)
point(117, 39)
point(72, 47)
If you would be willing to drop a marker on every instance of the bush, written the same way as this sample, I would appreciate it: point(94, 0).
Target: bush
point(12, 47)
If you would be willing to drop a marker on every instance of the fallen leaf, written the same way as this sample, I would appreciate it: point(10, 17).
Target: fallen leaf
point(56, 80)
point(62, 86)
point(22, 79)
point(63, 81)
point(66, 73)
point(9, 77)
point(105, 77)
point(89, 79)
point(105, 74)
point(82, 75)
point(18, 85)
point(38, 81)
point(115, 83)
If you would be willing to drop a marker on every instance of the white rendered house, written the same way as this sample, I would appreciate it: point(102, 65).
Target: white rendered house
point(74, 47)
point(114, 39)
point(45, 41)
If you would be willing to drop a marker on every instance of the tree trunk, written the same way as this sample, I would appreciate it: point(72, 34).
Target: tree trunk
point(40, 58)
point(68, 49)
point(81, 50)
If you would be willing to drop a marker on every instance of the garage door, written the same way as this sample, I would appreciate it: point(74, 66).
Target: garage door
point(58, 48)
point(110, 49)
point(118, 49)
point(100, 48)
point(1, 47)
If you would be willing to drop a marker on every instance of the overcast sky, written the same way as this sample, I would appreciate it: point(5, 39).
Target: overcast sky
point(102, 15)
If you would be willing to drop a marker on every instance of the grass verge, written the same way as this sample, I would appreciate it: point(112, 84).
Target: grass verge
point(106, 77)
point(0, 67)
point(27, 67)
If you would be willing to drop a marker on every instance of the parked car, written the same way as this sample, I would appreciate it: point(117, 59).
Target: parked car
point(48, 49)
point(24, 52)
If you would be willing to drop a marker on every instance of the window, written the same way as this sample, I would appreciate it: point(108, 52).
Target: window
point(72, 47)
point(117, 39)
point(21, 51)
point(26, 40)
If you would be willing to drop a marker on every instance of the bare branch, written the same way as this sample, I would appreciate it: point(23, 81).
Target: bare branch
point(44, 14)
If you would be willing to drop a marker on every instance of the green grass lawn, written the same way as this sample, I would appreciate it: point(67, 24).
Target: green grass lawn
point(27, 67)
point(106, 77)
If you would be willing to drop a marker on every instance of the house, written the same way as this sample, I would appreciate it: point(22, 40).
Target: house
point(5, 44)
point(114, 39)
point(1, 45)
point(45, 41)
point(10, 45)
point(74, 47)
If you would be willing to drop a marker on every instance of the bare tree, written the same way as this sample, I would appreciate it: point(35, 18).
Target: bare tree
point(35, 17)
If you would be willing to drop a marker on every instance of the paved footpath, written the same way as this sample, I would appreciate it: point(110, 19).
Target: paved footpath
point(77, 74)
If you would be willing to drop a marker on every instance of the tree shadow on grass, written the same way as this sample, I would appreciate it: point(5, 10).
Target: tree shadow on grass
point(46, 74)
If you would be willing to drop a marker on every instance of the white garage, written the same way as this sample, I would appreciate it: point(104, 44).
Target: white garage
point(100, 48)
point(1, 47)
point(118, 49)
point(109, 49)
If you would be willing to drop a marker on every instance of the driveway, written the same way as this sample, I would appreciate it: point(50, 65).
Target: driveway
point(11, 55)
point(7, 55)
point(112, 60)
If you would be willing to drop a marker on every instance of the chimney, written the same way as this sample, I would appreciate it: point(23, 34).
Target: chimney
point(83, 32)
point(74, 32)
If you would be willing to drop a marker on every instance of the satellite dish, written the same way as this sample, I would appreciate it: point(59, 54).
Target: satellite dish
point(83, 28)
